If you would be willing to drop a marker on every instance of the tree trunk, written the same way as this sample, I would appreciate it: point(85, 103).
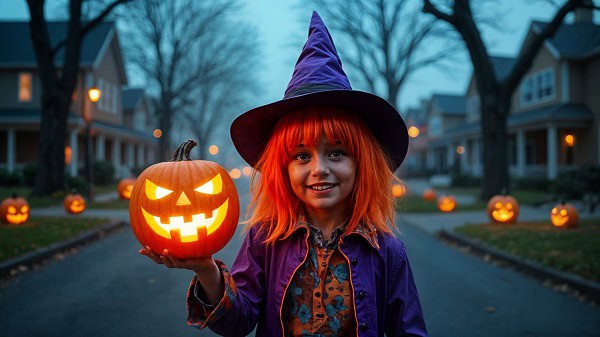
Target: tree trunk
point(495, 144)
point(164, 143)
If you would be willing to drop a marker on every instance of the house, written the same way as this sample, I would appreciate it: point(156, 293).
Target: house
point(121, 126)
point(554, 120)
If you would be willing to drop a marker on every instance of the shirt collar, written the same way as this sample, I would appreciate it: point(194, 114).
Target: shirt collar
point(369, 233)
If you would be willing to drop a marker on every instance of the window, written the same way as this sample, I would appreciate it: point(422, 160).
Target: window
point(546, 84)
point(527, 90)
point(25, 87)
point(538, 87)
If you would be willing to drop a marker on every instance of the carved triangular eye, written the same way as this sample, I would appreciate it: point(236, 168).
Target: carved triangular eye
point(214, 186)
point(154, 192)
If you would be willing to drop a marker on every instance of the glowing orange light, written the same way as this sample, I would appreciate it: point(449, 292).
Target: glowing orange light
point(460, 150)
point(570, 140)
point(157, 133)
point(398, 190)
point(213, 149)
point(94, 94)
point(413, 131)
point(247, 171)
point(235, 173)
point(68, 153)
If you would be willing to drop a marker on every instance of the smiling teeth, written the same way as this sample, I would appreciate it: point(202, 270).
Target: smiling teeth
point(321, 187)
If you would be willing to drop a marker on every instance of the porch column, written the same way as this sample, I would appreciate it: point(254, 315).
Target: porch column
point(465, 167)
point(140, 155)
point(116, 156)
point(552, 157)
point(74, 166)
point(130, 155)
point(11, 151)
point(430, 159)
point(476, 158)
point(151, 155)
point(450, 154)
point(100, 139)
point(520, 153)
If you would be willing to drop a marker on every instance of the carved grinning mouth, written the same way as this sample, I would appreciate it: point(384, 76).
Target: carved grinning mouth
point(188, 231)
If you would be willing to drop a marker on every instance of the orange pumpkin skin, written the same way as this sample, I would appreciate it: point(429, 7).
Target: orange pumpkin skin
point(429, 195)
point(446, 203)
point(74, 203)
point(564, 216)
point(177, 220)
point(125, 187)
point(14, 210)
point(503, 209)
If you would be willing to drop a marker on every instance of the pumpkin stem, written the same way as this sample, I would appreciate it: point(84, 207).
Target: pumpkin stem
point(184, 150)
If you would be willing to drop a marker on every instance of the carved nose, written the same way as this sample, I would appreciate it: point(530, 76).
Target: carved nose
point(183, 200)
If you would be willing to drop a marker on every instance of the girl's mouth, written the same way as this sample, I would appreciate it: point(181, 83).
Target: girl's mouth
point(323, 187)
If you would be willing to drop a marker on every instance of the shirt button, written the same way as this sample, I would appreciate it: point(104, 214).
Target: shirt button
point(354, 261)
point(317, 294)
point(364, 326)
point(361, 294)
point(323, 264)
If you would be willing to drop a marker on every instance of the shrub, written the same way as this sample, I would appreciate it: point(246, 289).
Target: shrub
point(10, 178)
point(465, 180)
point(576, 183)
point(104, 173)
point(76, 183)
point(532, 183)
point(136, 171)
point(28, 173)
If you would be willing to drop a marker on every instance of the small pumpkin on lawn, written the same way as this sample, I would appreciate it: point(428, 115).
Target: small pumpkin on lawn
point(564, 215)
point(503, 209)
point(446, 203)
point(14, 210)
point(429, 194)
point(125, 187)
point(189, 207)
point(74, 203)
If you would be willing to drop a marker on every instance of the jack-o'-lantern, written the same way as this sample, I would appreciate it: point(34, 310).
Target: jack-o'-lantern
point(446, 203)
point(74, 203)
point(429, 195)
point(564, 215)
point(189, 207)
point(503, 209)
point(14, 210)
point(125, 187)
point(398, 190)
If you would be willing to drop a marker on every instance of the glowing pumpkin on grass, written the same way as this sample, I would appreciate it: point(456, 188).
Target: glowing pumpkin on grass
point(503, 209)
point(14, 210)
point(189, 207)
point(398, 190)
point(74, 203)
point(125, 187)
point(429, 195)
point(446, 203)
point(564, 215)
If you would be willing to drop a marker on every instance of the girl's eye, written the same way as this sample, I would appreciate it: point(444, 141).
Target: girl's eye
point(301, 156)
point(337, 153)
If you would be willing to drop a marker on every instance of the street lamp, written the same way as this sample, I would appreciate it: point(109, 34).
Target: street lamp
point(94, 96)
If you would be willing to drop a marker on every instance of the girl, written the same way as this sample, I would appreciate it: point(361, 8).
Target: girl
point(320, 257)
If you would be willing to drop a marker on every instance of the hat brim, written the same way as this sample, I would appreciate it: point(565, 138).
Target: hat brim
point(251, 130)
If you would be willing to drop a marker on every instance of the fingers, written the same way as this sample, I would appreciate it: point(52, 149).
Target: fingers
point(150, 254)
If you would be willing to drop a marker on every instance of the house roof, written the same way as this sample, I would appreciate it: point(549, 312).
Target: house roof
point(578, 40)
point(16, 49)
point(450, 104)
point(131, 97)
point(502, 65)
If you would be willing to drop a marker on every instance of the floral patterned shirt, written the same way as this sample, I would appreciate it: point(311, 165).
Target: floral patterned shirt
point(318, 301)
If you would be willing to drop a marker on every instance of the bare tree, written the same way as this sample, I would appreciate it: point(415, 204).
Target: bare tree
point(496, 94)
point(166, 42)
point(385, 41)
point(233, 54)
point(58, 85)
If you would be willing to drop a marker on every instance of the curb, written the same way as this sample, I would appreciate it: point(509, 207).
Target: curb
point(43, 253)
point(586, 287)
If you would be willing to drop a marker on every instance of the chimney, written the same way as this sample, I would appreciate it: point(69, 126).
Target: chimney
point(585, 15)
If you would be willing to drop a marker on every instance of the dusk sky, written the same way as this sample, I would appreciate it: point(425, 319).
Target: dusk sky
point(280, 26)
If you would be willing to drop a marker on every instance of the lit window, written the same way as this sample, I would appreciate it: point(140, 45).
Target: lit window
point(25, 87)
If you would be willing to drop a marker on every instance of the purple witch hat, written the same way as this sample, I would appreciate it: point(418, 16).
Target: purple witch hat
point(319, 80)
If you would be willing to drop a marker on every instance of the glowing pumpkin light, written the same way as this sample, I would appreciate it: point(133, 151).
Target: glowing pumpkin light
point(429, 195)
point(564, 215)
point(189, 207)
point(446, 203)
point(125, 187)
point(14, 210)
point(398, 190)
point(503, 209)
point(74, 203)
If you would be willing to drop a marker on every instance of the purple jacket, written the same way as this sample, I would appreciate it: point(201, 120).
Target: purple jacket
point(385, 295)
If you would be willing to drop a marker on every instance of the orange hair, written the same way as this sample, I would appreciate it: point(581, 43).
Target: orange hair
point(276, 208)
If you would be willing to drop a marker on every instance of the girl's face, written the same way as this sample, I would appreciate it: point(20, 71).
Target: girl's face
point(322, 176)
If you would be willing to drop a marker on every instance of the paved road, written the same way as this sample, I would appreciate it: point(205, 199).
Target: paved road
point(108, 290)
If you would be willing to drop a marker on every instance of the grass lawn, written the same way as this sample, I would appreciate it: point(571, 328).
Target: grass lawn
point(416, 204)
point(6, 192)
point(40, 232)
point(112, 204)
point(572, 250)
point(525, 197)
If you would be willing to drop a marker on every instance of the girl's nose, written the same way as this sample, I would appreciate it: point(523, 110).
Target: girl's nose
point(319, 166)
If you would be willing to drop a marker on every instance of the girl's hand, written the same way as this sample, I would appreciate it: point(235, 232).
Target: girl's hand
point(197, 265)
